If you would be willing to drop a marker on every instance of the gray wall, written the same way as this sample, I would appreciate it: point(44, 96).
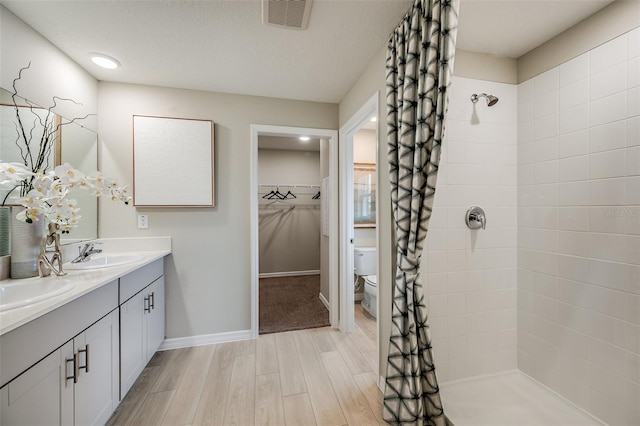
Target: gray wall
point(208, 277)
point(52, 73)
point(289, 236)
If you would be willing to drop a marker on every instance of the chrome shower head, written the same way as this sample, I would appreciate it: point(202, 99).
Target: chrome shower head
point(491, 100)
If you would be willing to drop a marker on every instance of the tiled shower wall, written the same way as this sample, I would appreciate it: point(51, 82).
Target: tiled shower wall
point(470, 276)
point(579, 229)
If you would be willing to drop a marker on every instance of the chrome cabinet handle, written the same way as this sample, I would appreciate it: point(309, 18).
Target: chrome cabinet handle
point(152, 300)
point(147, 304)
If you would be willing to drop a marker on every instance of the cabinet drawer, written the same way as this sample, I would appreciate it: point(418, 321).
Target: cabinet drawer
point(132, 283)
point(27, 344)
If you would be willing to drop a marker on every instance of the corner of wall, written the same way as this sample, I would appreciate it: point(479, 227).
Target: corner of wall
point(612, 21)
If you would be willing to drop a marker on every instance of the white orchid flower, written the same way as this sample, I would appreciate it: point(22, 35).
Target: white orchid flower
point(67, 174)
point(13, 172)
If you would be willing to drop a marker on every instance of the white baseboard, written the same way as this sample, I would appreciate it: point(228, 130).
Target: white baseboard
point(324, 301)
point(288, 274)
point(205, 339)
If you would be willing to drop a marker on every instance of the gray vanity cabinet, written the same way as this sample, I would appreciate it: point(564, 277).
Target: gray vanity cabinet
point(142, 321)
point(76, 384)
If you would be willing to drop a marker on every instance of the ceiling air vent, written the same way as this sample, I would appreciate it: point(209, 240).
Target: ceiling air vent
point(286, 13)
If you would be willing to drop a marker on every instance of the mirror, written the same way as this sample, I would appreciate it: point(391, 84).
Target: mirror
point(75, 145)
point(364, 195)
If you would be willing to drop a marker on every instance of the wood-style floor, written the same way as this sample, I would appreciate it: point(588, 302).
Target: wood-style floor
point(306, 377)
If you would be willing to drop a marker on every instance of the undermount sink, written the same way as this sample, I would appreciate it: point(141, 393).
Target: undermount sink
point(103, 261)
point(15, 294)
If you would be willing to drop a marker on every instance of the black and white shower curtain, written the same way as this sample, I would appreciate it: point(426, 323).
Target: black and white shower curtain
point(419, 67)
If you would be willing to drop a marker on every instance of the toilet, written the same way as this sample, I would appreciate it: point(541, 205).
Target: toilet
point(365, 261)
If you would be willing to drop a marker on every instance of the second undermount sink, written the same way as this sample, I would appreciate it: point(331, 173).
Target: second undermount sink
point(15, 294)
point(103, 261)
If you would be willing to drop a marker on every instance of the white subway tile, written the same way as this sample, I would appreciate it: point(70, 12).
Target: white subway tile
point(573, 70)
point(633, 161)
point(574, 94)
point(632, 246)
point(608, 247)
point(608, 219)
point(456, 325)
point(633, 72)
point(545, 217)
point(573, 144)
point(574, 119)
point(546, 172)
point(632, 308)
point(573, 169)
point(456, 304)
point(608, 54)
point(526, 174)
point(456, 282)
point(574, 293)
point(457, 239)
point(608, 302)
point(546, 127)
point(546, 149)
point(456, 260)
point(608, 109)
point(607, 82)
point(546, 195)
point(457, 347)
point(437, 261)
point(606, 408)
point(545, 103)
point(573, 243)
point(436, 283)
point(633, 102)
point(547, 81)
point(608, 192)
point(633, 43)
point(616, 276)
point(456, 173)
point(525, 132)
point(573, 268)
point(545, 240)
point(545, 285)
point(437, 306)
point(573, 193)
point(608, 164)
point(633, 131)
point(573, 219)
point(544, 262)
point(574, 318)
point(525, 153)
point(608, 137)
point(525, 300)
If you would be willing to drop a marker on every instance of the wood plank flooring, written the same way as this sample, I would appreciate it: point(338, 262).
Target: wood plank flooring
point(306, 377)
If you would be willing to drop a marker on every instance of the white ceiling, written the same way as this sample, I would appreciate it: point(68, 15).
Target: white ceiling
point(222, 46)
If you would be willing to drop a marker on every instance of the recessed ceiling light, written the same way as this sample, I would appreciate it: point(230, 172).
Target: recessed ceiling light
point(104, 61)
point(374, 119)
point(304, 138)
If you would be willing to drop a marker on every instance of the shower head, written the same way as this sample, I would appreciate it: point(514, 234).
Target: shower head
point(491, 100)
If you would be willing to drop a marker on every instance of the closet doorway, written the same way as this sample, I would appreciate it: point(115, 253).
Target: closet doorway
point(293, 228)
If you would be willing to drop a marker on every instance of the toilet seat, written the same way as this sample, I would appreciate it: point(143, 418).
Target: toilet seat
point(371, 280)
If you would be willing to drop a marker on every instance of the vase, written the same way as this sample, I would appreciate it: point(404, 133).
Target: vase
point(25, 246)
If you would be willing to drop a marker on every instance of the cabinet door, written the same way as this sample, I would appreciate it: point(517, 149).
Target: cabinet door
point(41, 395)
point(97, 390)
point(155, 317)
point(132, 341)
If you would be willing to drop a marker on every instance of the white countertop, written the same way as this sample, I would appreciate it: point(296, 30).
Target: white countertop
point(85, 281)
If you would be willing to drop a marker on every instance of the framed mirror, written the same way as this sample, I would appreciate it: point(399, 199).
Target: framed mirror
point(364, 195)
point(74, 144)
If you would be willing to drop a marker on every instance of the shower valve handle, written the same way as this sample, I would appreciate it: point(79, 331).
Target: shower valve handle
point(475, 218)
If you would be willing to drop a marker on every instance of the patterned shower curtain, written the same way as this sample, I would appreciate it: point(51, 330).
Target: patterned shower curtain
point(419, 66)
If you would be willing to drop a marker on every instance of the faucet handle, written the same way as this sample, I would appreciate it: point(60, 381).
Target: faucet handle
point(475, 218)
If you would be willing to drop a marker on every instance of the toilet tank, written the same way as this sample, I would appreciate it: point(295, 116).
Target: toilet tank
point(365, 260)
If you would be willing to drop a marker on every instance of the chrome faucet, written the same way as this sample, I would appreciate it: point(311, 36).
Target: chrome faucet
point(86, 251)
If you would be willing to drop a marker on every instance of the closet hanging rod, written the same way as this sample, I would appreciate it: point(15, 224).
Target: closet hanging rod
point(288, 186)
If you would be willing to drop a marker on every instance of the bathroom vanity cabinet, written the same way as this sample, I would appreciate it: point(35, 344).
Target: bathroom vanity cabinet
point(65, 366)
point(142, 321)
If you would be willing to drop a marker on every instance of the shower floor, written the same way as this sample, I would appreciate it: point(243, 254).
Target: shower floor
point(510, 398)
